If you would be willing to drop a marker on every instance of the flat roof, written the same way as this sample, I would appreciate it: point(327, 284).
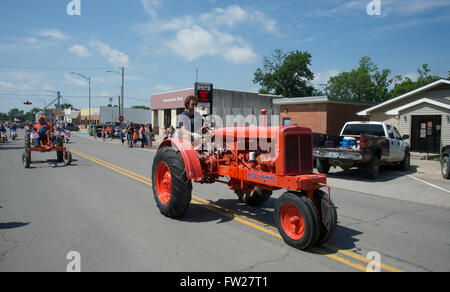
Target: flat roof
point(314, 99)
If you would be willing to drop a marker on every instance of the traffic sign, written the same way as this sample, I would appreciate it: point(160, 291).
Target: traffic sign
point(121, 119)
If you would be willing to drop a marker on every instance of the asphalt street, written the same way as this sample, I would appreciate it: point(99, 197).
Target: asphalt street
point(102, 207)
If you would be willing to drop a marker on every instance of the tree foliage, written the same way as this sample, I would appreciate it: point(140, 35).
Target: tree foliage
point(365, 83)
point(286, 74)
point(405, 84)
point(140, 107)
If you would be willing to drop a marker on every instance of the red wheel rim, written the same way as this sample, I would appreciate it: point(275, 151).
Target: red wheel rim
point(163, 182)
point(292, 221)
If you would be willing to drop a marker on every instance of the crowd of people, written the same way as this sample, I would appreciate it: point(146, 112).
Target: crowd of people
point(133, 133)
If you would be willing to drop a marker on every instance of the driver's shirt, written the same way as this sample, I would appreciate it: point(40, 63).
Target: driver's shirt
point(37, 127)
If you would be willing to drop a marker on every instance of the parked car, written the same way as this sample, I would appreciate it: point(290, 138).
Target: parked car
point(366, 145)
point(117, 130)
point(73, 127)
point(445, 161)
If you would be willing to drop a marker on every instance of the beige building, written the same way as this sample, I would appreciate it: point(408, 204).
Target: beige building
point(423, 114)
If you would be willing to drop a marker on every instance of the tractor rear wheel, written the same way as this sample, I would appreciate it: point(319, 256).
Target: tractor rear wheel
point(255, 198)
point(327, 215)
point(297, 220)
point(67, 158)
point(171, 188)
point(60, 154)
point(27, 140)
point(26, 159)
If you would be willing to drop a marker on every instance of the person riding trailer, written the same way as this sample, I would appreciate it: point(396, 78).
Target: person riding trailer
point(41, 129)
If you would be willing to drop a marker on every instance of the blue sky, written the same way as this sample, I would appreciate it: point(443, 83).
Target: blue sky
point(161, 43)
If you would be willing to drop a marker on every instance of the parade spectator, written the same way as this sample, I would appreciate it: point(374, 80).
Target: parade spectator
point(166, 133)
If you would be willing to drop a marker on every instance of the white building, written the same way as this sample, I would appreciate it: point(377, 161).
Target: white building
point(107, 114)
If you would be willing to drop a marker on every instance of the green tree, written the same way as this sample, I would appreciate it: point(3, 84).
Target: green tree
point(3, 117)
point(66, 106)
point(30, 116)
point(365, 83)
point(285, 74)
point(15, 113)
point(140, 107)
point(406, 84)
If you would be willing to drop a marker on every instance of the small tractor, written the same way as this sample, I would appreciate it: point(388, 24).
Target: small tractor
point(253, 161)
point(46, 145)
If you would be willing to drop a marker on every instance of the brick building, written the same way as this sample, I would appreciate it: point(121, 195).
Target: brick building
point(320, 113)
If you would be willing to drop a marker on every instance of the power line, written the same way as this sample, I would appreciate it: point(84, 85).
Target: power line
point(53, 68)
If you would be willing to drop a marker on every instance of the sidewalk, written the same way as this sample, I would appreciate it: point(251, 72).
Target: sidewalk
point(429, 168)
point(115, 141)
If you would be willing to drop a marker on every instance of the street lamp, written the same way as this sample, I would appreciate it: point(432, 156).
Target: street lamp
point(122, 88)
point(88, 79)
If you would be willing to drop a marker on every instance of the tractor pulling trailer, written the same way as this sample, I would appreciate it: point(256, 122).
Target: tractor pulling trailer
point(304, 215)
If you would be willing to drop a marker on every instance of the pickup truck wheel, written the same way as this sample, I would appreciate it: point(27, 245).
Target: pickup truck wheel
point(373, 168)
point(171, 188)
point(406, 163)
point(446, 167)
point(323, 166)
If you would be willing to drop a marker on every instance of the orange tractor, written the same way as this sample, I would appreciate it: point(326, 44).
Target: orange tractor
point(46, 145)
point(252, 161)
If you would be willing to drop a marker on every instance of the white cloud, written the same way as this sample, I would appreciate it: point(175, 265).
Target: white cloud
point(163, 88)
point(229, 16)
point(150, 7)
point(113, 56)
point(80, 51)
point(323, 77)
point(196, 42)
point(240, 55)
point(54, 34)
point(207, 34)
point(75, 80)
point(6, 85)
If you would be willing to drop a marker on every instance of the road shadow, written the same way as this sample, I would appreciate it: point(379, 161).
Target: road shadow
point(50, 162)
point(228, 209)
point(387, 173)
point(11, 147)
point(12, 225)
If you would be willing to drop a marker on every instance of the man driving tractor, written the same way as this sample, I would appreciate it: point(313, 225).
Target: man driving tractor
point(41, 129)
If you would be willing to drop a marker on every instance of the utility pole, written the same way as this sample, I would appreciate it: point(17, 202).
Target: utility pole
point(58, 107)
point(123, 89)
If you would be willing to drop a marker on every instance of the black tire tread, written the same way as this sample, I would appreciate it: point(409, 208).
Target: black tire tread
point(181, 186)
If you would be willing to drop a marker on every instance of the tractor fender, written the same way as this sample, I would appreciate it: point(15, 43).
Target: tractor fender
point(189, 155)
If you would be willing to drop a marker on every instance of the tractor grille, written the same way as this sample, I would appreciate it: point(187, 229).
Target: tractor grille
point(298, 154)
point(306, 154)
point(292, 154)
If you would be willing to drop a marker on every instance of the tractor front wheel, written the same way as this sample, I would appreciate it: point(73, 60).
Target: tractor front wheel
point(297, 220)
point(328, 216)
point(171, 188)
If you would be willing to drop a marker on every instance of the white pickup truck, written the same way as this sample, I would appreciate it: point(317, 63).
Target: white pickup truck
point(366, 145)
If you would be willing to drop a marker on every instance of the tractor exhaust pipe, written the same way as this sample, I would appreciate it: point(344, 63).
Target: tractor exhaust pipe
point(264, 121)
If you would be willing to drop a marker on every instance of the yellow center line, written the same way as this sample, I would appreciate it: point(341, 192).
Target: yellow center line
point(234, 215)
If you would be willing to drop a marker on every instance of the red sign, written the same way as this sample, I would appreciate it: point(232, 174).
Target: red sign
point(121, 119)
point(204, 92)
